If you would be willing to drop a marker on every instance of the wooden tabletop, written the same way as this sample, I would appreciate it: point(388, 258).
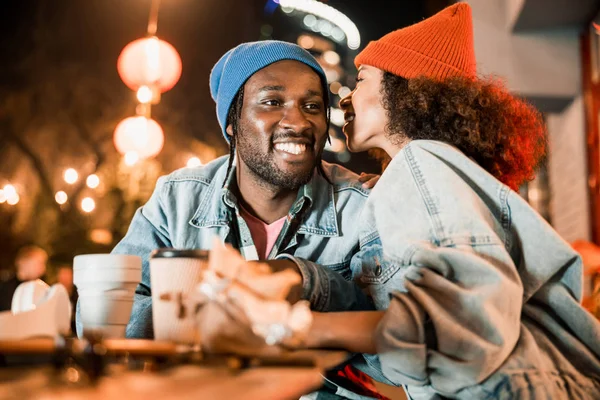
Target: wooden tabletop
point(288, 375)
point(185, 382)
point(322, 359)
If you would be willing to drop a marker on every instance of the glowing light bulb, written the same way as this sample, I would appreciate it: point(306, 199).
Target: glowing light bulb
point(194, 162)
point(61, 197)
point(88, 204)
point(71, 176)
point(92, 181)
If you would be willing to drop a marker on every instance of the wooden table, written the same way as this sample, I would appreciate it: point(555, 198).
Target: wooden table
point(185, 382)
point(299, 373)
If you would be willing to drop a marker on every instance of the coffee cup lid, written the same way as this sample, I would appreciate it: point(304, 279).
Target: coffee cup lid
point(179, 253)
point(120, 261)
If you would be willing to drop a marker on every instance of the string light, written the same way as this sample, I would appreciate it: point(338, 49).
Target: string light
point(88, 204)
point(329, 13)
point(92, 181)
point(9, 191)
point(310, 20)
point(10, 195)
point(61, 197)
point(331, 57)
point(344, 91)
point(306, 41)
point(12, 200)
point(71, 176)
point(331, 74)
point(337, 116)
point(335, 87)
point(194, 162)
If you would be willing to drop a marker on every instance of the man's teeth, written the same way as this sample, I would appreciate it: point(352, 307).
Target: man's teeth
point(291, 148)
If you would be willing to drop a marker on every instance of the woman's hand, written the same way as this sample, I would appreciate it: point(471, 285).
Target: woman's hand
point(246, 310)
point(225, 329)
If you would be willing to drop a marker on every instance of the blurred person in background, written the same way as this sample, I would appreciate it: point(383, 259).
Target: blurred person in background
point(30, 264)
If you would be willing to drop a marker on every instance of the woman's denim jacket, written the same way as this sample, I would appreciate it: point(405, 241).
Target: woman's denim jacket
point(482, 295)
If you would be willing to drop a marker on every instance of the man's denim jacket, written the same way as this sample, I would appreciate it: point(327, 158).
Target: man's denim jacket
point(483, 298)
point(193, 205)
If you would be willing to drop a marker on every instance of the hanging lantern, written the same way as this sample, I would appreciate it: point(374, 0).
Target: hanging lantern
point(141, 135)
point(149, 62)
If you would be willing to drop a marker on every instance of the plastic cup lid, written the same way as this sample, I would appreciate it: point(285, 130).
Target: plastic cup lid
point(179, 253)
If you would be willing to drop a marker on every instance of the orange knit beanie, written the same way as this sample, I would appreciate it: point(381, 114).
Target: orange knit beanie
point(437, 47)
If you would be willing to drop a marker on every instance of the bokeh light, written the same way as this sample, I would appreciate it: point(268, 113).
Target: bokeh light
point(88, 204)
point(71, 176)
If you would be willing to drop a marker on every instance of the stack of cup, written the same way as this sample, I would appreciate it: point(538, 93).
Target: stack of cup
point(106, 286)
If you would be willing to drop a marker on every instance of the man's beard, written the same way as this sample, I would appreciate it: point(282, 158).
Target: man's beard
point(264, 168)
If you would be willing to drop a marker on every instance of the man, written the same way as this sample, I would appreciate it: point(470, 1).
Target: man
point(30, 264)
point(273, 198)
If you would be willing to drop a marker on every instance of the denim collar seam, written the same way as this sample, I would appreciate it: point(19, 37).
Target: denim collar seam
point(430, 204)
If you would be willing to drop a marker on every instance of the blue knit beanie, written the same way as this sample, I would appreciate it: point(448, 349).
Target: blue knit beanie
point(237, 65)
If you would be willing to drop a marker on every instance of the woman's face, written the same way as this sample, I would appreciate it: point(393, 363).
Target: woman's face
point(365, 116)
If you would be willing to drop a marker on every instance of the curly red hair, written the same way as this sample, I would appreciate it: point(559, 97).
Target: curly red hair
point(502, 133)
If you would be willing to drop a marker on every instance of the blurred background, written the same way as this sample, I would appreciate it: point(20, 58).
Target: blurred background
point(70, 178)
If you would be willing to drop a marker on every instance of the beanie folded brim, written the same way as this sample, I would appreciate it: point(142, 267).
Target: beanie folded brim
point(404, 62)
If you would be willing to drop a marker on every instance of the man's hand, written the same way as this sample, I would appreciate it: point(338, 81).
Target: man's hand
point(368, 180)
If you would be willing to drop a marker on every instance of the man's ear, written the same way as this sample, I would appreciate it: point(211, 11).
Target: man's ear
point(229, 130)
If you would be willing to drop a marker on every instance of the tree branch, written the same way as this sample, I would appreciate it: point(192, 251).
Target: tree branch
point(84, 135)
point(36, 162)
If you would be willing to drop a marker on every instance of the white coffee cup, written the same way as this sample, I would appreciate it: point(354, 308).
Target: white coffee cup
point(106, 286)
point(174, 272)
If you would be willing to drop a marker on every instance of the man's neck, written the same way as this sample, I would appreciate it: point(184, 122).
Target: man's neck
point(261, 199)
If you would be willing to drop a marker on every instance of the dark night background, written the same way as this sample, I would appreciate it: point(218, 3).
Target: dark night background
point(61, 98)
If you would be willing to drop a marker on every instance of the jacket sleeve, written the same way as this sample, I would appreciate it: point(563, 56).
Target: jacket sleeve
point(458, 320)
point(328, 290)
point(147, 232)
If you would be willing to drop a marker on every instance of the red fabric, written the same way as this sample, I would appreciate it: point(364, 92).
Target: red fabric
point(358, 382)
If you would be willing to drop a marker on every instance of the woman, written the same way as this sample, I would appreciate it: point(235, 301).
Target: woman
point(485, 296)
point(479, 297)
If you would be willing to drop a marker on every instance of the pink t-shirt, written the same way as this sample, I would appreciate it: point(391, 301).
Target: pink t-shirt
point(263, 235)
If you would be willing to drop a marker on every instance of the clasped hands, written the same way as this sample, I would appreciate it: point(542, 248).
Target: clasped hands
point(243, 306)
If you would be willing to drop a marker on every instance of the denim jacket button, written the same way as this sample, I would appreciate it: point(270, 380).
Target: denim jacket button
point(378, 270)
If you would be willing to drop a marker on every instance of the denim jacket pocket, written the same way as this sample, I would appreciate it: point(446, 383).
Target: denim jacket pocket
point(379, 275)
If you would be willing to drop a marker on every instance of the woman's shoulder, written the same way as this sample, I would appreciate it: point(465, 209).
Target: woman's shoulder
point(434, 184)
point(436, 169)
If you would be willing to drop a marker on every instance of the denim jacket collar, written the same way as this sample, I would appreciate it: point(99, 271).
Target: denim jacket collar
point(218, 201)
